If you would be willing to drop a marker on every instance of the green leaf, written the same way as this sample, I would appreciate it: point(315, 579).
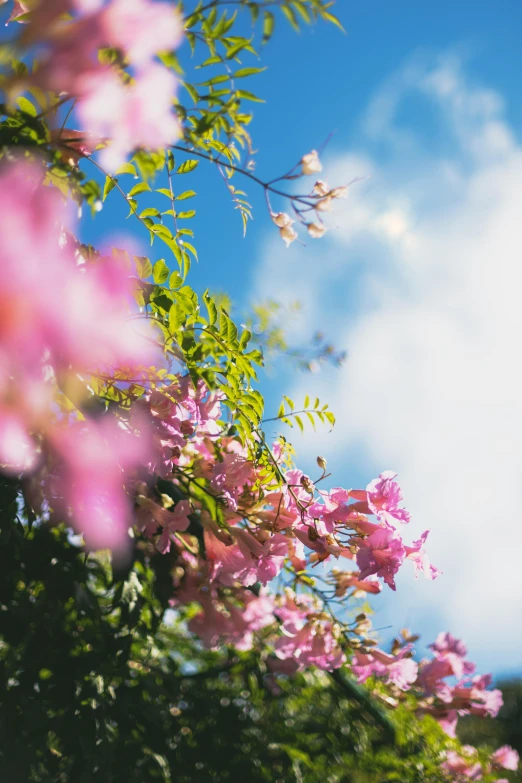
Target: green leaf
point(227, 328)
point(164, 192)
point(245, 338)
point(160, 272)
point(110, 184)
point(127, 168)
point(187, 166)
point(143, 266)
point(268, 25)
point(191, 248)
point(242, 72)
point(289, 12)
point(192, 92)
point(211, 308)
point(333, 19)
point(26, 106)
point(150, 212)
point(186, 264)
point(177, 317)
point(186, 215)
point(289, 402)
point(219, 79)
point(185, 194)
point(175, 280)
point(249, 96)
point(141, 187)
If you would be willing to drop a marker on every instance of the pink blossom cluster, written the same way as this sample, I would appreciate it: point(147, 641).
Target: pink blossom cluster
point(465, 765)
point(266, 529)
point(445, 684)
point(131, 108)
point(308, 636)
point(450, 686)
point(262, 531)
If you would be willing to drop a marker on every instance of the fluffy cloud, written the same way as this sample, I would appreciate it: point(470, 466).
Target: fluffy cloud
point(422, 281)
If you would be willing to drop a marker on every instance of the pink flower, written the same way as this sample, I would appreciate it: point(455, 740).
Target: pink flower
point(432, 674)
point(138, 115)
point(333, 509)
point(211, 624)
point(141, 28)
point(173, 522)
point(20, 8)
point(293, 610)
point(313, 645)
point(417, 553)
point(344, 581)
point(382, 553)
point(274, 510)
point(230, 477)
point(505, 757)
point(464, 765)
point(403, 673)
point(445, 643)
point(94, 459)
point(384, 496)
point(398, 669)
point(75, 316)
point(231, 622)
point(18, 451)
point(223, 555)
point(263, 561)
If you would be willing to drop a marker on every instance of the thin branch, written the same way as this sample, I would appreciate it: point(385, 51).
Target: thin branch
point(305, 200)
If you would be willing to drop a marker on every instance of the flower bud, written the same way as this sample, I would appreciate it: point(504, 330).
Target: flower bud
point(316, 230)
point(320, 188)
point(281, 219)
point(307, 485)
point(288, 234)
point(324, 204)
point(311, 163)
point(322, 463)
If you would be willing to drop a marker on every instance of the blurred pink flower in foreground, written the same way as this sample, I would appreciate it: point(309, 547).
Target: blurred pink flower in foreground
point(126, 113)
point(63, 316)
point(134, 115)
point(505, 757)
point(141, 28)
point(93, 461)
point(57, 311)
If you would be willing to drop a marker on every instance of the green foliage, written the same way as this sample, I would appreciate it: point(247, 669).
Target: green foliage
point(97, 687)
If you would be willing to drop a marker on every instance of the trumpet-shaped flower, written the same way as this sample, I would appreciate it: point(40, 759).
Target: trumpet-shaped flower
point(382, 553)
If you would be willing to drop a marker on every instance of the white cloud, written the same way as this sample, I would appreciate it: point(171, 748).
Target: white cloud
point(430, 250)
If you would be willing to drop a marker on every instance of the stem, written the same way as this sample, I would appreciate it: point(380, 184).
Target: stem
point(267, 186)
point(364, 698)
point(169, 175)
point(290, 413)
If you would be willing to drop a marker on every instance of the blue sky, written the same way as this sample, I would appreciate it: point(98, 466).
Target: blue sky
point(418, 280)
